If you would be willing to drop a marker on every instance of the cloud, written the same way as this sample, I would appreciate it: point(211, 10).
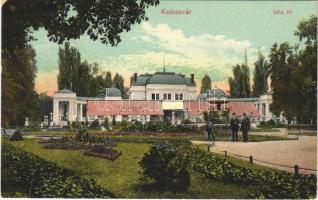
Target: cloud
point(200, 54)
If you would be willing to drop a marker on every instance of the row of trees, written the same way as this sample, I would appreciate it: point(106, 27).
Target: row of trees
point(293, 75)
point(19, 99)
point(83, 78)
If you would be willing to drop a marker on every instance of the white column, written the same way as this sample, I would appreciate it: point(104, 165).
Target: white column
point(173, 117)
point(81, 112)
point(129, 118)
point(148, 118)
point(56, 114)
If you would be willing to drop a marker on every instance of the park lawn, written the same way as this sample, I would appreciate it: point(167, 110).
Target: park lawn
point(121, 177)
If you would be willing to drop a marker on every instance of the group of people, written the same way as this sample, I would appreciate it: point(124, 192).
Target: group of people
point(235, 123)
point(235, 126)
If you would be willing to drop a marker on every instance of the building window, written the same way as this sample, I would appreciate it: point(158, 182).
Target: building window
point(169, 96)
point(153, 96)
point(181, 97)
point(165, 96)
point(157, 96)
point(176, 97)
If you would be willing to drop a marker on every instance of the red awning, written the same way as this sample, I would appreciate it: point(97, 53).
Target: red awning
point(196, 108)
point(242, 107)
point(124, 107)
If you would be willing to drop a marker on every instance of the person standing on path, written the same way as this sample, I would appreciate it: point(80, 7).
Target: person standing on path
point(234, 125)
point(245, 127)
point(209, 130)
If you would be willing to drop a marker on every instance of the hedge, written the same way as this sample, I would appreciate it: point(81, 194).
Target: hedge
point(271, 184)
point(38, 178)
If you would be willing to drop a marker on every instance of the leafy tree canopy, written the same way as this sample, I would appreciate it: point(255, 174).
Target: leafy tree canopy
point(69, 19)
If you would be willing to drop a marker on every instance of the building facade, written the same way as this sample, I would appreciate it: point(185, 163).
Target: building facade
point(158, 96)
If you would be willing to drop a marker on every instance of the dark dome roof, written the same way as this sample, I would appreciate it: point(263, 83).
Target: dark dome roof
point(166, 78)
point(142, 80)
point(112, 92)
point(215, 93)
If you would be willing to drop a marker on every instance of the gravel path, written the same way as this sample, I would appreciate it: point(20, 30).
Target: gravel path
point(301, 152)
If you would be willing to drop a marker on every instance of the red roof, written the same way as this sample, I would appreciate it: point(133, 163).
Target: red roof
point(242, 107)
point(123, 107)
point(196, 108)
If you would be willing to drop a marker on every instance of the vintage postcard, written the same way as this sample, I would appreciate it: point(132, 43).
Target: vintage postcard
point(159, 99)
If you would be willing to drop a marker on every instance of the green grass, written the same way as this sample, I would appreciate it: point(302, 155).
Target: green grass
point(121, 176)
point(265, 130)
point(303, 134)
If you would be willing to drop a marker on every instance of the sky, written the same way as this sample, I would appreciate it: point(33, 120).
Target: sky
point(210, 40)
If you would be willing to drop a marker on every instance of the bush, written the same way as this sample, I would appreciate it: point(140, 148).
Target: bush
point(94, 124)
point(105, 123)
point(270, 184)
point(39, 178)
point(185, 121)
point(161, 166)
point(270, 122)
point(75, 125)
point(114, 120)
point(17, 135)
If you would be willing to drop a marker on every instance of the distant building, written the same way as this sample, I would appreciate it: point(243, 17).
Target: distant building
point(165, 86)
point(158, 96)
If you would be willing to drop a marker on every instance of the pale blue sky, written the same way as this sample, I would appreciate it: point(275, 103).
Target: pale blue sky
point(209, 41)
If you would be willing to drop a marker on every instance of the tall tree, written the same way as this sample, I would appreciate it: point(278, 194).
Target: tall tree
point(118, 82)
point(240, 83)
point(306, 74)
point(44, 106)
point(69, 62)
point(18, 81)
point(205, 83)
point(261, 73)
point(108, 79)
point(83, 78)
point(294, 75)
point(283, 60)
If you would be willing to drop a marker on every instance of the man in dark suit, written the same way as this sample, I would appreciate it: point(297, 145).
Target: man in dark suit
point(209, 129)
point(234, 125)
point(245, 127)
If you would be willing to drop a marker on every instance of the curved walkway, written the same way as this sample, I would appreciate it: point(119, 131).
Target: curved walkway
point(301, 152)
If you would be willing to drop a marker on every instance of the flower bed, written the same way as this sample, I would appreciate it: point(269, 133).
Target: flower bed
point(38, 178)
point(103, 151)
point(72, 144)
point(111, 155)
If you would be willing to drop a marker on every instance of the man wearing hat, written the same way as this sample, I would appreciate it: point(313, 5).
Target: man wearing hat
point(234, 125)
point(245, 127)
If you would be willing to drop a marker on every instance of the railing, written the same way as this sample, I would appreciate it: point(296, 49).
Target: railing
point(302, 129)
point(251, 160)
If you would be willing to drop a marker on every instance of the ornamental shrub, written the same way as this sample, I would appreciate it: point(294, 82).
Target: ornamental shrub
point(270, 184)
point(161, 166)
point(94, 124)
point(17, 135)
point(105, 123)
